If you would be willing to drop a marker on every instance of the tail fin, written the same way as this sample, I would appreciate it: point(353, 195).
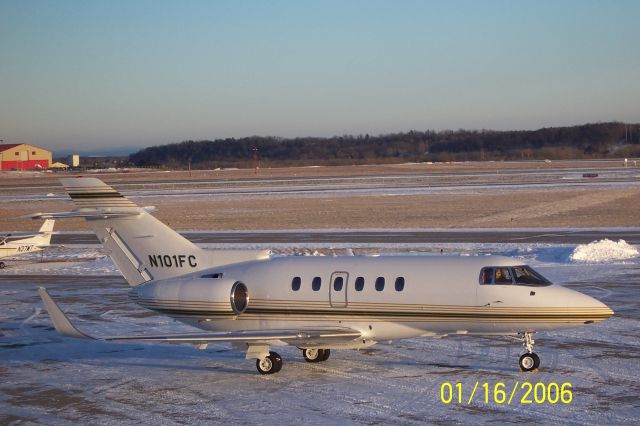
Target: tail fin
point(46, 229)
point(39, 240)
point(47, 226)
point(142, 247)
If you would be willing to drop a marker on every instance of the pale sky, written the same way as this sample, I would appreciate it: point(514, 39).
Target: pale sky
point(81, 75)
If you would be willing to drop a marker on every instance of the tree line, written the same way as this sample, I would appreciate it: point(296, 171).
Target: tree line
point(599, 140)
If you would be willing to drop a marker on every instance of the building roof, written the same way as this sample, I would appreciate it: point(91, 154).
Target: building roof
point(7, 146)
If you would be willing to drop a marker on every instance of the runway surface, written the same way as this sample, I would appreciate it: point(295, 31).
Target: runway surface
point(415, 182)
point(555, 236)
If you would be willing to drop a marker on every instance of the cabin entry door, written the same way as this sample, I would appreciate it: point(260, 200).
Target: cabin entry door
point(338, 290)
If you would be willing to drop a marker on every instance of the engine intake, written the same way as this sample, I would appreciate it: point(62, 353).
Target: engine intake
point(239, 297)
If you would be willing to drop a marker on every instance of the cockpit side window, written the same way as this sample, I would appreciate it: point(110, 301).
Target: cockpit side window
point(518, 275)
point(503, 276)
point(486, 276)
point(524, 275)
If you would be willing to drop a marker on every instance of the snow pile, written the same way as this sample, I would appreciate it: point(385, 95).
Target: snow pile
point(604, 251)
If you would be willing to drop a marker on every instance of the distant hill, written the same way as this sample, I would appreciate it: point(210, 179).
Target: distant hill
point(600, 140)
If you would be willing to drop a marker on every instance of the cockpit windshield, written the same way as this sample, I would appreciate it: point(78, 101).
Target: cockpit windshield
point(516, 275)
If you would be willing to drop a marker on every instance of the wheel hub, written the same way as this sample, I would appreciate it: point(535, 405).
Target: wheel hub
point(266, 364)
point(527, 362)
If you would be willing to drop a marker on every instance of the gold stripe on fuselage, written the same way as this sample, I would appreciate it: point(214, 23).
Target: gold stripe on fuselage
point(596, 314)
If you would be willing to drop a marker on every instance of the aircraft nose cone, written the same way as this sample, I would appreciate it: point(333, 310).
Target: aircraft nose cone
point(582, 307)
point(604, 309)
point(595, 308)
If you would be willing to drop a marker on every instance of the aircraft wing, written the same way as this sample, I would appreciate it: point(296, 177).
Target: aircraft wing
point(17, 235)
point(294, 337)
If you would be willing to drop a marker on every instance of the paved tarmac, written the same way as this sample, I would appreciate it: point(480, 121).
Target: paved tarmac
point(552, 236)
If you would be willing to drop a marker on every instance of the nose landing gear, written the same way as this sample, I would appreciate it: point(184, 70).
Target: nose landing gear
point(529, 361)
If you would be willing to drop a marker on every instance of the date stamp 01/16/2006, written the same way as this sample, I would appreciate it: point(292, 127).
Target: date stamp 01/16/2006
point(502, 393)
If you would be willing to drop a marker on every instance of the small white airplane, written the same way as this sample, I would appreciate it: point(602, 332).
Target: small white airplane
point(315, 303)
point(26, 243)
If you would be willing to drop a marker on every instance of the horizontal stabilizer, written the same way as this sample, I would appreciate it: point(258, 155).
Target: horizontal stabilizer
point(87, 214)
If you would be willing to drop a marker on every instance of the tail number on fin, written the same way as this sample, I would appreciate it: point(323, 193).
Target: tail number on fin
point(175, 261)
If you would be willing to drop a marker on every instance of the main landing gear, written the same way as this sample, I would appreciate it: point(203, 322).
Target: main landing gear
point(529, 361)
point(316, 355)
point(272, 363)
point(269, 365)
point(2, 265)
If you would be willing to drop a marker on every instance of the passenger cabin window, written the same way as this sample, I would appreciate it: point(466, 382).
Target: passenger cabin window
point(399, 283)
point(295, 283)
point(316, 284)
point(338, 283)
point(359, 284)
point(518, 275)
point(380, 283)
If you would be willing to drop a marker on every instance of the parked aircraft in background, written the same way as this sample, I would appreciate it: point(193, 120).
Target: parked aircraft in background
point(315, 303)
point(11, 245)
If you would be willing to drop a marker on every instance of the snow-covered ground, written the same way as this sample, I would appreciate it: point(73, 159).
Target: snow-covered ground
point(50, 379)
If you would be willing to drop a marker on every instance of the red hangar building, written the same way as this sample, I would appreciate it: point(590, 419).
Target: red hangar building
point(22, 156)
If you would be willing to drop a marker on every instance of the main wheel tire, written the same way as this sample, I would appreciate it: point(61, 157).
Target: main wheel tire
point(269, 365)
point(325, 355)
point(277, 360)
point(2, 265)
point(529, 361)
point(312, 355)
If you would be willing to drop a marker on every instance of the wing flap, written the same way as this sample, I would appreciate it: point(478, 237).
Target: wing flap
point(299, 337)
point(289, 336)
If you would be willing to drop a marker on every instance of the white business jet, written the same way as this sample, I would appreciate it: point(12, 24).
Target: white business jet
point(315, 303)
point(10, 246)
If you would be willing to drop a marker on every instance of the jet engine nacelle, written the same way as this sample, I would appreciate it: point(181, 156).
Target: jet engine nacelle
point(201, 296)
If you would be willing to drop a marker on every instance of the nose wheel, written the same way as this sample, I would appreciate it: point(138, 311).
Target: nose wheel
point(529, 361)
